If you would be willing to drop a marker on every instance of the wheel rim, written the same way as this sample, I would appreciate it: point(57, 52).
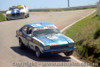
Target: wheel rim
point(37, 53)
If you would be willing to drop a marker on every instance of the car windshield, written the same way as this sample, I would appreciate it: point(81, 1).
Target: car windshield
point(12, 8)
point(19, 7)
point(42, 32)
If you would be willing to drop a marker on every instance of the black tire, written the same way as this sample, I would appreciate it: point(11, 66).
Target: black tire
point(38, 52)
point(69, 53)
point(7, 19)
point(28, 15)
point(22, 46)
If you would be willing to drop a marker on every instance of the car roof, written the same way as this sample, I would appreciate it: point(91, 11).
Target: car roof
point(40, 24)
point(16, 6)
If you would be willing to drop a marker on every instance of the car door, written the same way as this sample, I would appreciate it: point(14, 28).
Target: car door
point(24, 34)
point(29, 37)
point(32, 41)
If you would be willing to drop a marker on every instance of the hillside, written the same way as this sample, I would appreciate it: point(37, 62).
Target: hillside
point(86, 34)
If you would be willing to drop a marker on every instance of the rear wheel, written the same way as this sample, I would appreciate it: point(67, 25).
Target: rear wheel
point(38, 52)
point(69, 53)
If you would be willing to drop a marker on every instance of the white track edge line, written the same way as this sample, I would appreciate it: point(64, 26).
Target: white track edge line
point(73, 24)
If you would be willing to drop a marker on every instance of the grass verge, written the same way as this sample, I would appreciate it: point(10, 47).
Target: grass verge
point(2, 17)
point(86, 34)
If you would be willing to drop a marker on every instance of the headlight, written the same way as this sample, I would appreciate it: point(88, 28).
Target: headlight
point(7, 14)
point(46, 47)
point(71, 45)
point(22, 13)
point(53, 44)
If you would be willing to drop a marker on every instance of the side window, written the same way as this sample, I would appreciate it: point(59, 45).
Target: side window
point(25, 29)
point(29, 30)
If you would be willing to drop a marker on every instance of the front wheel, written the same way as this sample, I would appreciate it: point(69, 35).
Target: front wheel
point(27, 15)
point(69, 53)
point(21, 44)
point(38, 53)
point(7, 19)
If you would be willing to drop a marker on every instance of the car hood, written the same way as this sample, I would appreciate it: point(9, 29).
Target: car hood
point(16, 11)
point(56, 39)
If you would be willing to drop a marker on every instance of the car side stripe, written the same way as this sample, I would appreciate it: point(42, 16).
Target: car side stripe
point(13, 11)
point(38, 40)
point(18, 11)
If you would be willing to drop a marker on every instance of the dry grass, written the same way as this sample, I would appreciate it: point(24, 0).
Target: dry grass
point(2, 17)
point(87, 37)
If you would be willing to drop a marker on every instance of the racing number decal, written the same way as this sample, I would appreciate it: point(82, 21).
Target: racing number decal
point(36, 42)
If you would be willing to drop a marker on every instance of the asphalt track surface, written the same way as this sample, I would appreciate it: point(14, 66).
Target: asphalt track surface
point(12, 56)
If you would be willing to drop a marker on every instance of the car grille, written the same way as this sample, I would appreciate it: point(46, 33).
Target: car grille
point(58, 47)
point(16, 14)
point(61, 46)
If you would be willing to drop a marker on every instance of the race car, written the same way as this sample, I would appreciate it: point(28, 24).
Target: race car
point(44, 38)
point(17, 12)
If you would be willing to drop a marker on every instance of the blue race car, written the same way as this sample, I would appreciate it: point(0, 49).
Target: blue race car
point(44, 37)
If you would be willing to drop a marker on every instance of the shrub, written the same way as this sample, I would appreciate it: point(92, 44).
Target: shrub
point(2, 17)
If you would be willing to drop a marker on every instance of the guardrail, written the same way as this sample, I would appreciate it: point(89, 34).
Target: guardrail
point(60, 9)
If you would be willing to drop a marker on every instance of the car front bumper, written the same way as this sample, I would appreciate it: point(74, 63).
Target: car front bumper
point(15, 16)
point(59, 50)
